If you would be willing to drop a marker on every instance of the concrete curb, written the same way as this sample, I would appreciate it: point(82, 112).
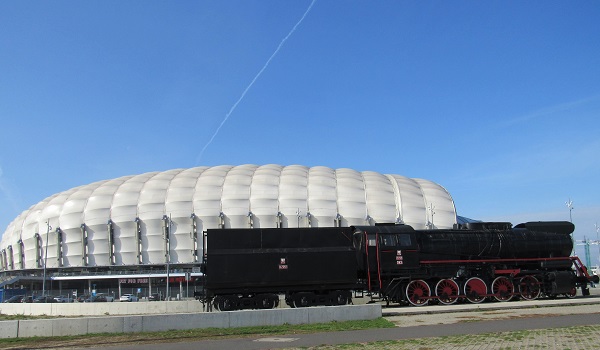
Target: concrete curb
point(182, 321)
point(101, 309)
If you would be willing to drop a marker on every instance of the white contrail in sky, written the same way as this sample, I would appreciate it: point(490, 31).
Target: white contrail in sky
point(254, 80)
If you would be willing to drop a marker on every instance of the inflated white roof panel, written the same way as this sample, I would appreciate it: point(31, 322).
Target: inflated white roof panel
point(200, 198)
point(352, 199)
point(322, 196)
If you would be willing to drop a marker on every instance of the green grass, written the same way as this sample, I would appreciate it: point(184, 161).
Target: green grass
point(24, 317)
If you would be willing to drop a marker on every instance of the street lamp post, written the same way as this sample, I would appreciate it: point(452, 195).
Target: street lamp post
point(168, 250)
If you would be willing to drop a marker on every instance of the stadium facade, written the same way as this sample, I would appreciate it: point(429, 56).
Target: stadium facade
point(131, 228)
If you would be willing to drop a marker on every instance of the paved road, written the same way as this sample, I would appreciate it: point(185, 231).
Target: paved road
point(307, 340)
point(433, 321)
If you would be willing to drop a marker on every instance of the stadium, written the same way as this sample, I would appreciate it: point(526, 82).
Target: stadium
point(143, 234)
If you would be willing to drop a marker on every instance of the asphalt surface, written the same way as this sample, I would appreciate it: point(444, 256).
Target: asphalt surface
point(435, 321)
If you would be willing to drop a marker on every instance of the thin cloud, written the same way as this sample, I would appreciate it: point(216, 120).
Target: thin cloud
point(548, 111)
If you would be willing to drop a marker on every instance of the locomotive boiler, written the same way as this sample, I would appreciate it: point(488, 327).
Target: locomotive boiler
point(251, 268)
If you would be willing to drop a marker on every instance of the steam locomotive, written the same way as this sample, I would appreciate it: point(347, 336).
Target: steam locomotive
point(251, 268)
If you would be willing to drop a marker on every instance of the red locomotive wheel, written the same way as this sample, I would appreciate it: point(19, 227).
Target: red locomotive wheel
point(447, 291)
point(503, 289)
point(529, 287)
point(572, 293)
point(475, 290)
point(418, 292)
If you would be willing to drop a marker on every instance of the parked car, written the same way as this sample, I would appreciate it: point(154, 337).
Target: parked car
point(95, 299)
point(155, 297)
point(109, 298)
point(28, 299)
point(44, 299)
point(14, 299)
point(100, 298)
point(63, 299)
point(82, 298)
point(128, 297)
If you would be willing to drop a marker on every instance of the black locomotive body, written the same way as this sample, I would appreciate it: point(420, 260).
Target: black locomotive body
point(250, 268)
point(492, 260)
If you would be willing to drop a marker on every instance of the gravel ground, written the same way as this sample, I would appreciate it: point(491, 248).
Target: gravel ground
point(571, 338)
point(456, 317)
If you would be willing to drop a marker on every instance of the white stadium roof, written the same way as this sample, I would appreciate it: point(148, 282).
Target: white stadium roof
point(124, 221)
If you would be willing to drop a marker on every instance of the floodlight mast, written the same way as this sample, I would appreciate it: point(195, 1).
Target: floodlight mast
point(431, 209)
point(569, 204)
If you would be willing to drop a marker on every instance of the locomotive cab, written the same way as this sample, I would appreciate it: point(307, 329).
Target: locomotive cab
point(384, 252)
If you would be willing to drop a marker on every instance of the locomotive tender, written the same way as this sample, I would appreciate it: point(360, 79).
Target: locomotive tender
point(250, 268)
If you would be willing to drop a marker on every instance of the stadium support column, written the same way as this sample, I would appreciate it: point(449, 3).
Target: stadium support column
point(138, 239)
point(38, 250)
point(221, 220)
point(21, 254)
point(111, 243)
point(3, 259)
point(250, 219)
point(194, 237)
point(84, 245)
point(10, 261)
point(59, 247)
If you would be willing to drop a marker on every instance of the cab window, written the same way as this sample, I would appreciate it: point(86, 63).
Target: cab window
point(396, 240)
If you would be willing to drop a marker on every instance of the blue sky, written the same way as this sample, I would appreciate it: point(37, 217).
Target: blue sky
point(497, 101)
